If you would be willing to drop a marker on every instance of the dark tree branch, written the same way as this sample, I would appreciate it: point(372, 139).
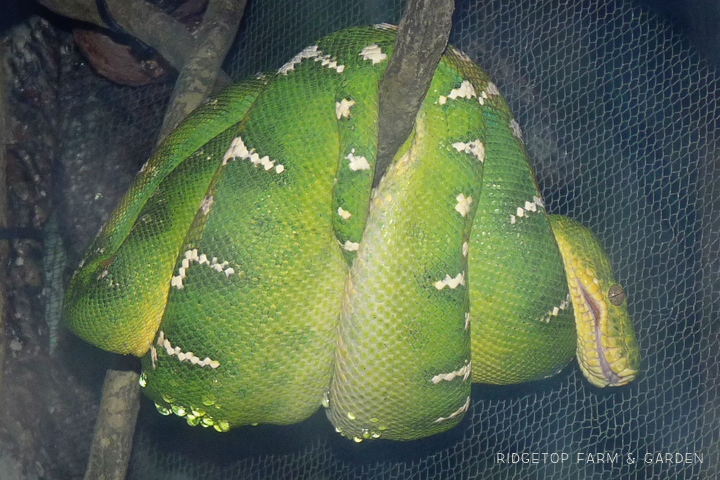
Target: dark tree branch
point(112, 442)
point(196, 80)
point(422, 37)
point(139, 18)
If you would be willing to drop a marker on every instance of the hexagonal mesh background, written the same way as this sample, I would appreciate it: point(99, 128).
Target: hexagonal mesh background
point(620, 117)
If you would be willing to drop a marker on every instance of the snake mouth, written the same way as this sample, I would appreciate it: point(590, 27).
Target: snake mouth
point(607, 351)
point(605, 355)
point(598, 312)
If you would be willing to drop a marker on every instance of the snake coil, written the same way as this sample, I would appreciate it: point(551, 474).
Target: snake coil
point(259, 275)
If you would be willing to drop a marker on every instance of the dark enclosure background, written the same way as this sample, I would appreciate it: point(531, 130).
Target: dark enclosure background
point(618, 104)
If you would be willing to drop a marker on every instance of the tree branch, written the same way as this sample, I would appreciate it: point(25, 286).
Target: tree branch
point(141, 19)
point(112, 442)
point(215, 36)
point(422, 37)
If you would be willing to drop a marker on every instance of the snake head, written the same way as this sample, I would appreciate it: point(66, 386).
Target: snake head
point(607, 349)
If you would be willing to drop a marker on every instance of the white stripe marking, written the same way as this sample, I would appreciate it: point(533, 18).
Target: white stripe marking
point(153, 357)
point(184, 356)
point(466, 90)
point(207, 204)
point(191, 256)
point(314, 53)
point(555, 311)
point(463, 205)
point(342, 108)
point(463, 372)
point(448, 281)
point(457, 412)
point(309, 52)
point(475, 148)
point(239, 150)
point(461, 54)
point(330, 62)
point(374, 53)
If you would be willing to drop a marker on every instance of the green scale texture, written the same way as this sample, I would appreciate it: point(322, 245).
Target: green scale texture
point(393, 315)
point(517, 274)
point(260, 276)
point(121, 310)
point(277, 312)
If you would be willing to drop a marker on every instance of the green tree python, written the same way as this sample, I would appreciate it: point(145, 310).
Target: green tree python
point(259, 275)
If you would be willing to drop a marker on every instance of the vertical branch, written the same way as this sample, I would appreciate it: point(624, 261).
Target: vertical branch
point(112, 441)
point(140, 19)
point(422, 37)
point(215, 36)
point(115, 427)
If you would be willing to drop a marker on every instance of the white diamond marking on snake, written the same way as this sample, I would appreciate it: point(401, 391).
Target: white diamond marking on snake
point(527, 207)
point(184, 356)
point(555, 311)
point(466, 90)
point(463, 372)
point(357, 162)
point(349, 246)
point(463, 205)
point(344, 214)
point(238, 149)
point(191, 256)
point(207, 204)
point(342, 108)
point(516, 130)
point(457, 412)
point(474, 148)
point(373, 53)
point(451, 282)
point(312, 52)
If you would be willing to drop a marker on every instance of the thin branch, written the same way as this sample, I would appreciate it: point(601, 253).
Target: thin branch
point(422, 37)
point(112, 442)
point(197, 78)
point(141, 19)
point(154, 27)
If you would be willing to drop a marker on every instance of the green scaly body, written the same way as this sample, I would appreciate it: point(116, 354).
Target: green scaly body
point(259, 276)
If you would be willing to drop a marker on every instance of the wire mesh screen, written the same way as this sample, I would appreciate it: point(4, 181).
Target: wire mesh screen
point(620, 118)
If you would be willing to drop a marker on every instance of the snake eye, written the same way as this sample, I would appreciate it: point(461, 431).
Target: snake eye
point(616, 294)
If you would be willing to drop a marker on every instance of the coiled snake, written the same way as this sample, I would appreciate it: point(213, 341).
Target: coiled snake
point(259, 275)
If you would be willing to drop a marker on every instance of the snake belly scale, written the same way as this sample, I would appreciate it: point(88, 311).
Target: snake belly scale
point(259, 275)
